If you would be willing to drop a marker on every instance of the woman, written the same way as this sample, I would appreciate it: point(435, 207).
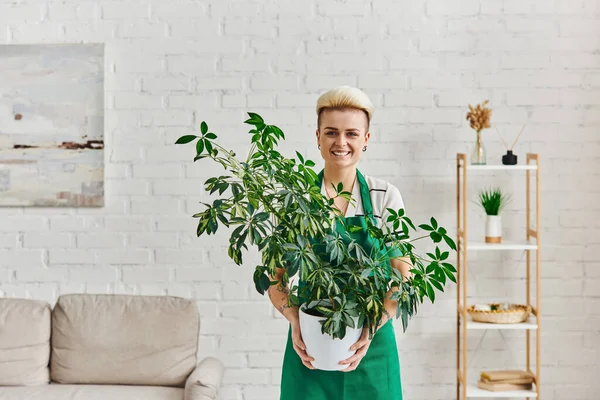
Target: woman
point(373, 372)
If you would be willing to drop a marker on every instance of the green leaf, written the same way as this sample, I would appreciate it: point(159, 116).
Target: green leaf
point(431, 267)
point(185, 139)
point(450, 275)
point(324, 310)
point(256, 117)
point(425, 227)
point(434, 224)
point(255, 120)
point(450, 242)
point(449, 267)
point(300, 157)
point(437, 285)
point(294, 300)
point(261, 282)
point(237, 231)
point(223, 219)
point(436, 237)
point(430, 292)
point(200, 146)
point(441, 276)
point(404, 228)
point(203, 128)
point(210, 135)
point(409, 222)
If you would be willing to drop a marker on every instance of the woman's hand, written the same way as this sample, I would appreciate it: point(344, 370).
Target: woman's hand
point(361, 348)
point(300, 347)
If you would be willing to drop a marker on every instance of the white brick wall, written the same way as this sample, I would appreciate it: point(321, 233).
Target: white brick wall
point(170, 66)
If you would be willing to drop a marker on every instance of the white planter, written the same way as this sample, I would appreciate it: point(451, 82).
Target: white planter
point(326, 350)
point(493, 229)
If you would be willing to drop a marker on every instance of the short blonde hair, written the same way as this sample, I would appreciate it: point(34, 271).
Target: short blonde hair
point(345, 97)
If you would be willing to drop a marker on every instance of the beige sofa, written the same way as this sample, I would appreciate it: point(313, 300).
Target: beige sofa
point(104, 347)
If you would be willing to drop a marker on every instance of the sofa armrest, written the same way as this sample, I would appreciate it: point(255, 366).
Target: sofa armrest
point(204, 382)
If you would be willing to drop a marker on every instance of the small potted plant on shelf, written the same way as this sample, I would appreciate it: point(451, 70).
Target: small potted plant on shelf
point(272, 202)
point(493, 201)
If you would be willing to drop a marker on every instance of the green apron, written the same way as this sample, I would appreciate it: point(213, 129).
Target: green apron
point(377, 377)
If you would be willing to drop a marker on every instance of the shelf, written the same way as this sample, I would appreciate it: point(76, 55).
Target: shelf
point(500, 167)
point(474, 392)
point(531, 323)
point(526, 242)
point(505, 245)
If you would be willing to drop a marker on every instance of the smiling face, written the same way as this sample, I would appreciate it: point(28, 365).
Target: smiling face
point(342, 134)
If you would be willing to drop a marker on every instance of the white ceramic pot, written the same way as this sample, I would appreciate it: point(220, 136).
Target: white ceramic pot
point(493, 229)
point(326, 350)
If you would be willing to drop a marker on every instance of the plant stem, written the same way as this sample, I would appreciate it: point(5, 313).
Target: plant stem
point(250, 152)
point(420, 237)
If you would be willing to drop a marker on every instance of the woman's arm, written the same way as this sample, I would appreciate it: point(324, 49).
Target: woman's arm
point(404, 265)
point(279, 297)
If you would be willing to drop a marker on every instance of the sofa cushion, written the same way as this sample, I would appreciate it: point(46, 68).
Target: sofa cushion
point(91, 392)
point(123, 339)
point(24, 342)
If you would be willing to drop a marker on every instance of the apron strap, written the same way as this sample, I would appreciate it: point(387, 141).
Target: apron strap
point(319, 181)
point(365, 196)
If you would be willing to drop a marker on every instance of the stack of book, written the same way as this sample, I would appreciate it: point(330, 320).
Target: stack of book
point(497, 381)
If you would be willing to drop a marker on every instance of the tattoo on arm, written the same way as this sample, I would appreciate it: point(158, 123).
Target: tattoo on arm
point(282, 289)
point(286, 291)
point(279, 288)
point(283, 307)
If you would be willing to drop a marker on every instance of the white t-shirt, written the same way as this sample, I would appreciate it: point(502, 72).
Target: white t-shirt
point(383, 195)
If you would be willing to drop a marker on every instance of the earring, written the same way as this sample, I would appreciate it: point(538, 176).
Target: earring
point(365, 148)
point(319, 147)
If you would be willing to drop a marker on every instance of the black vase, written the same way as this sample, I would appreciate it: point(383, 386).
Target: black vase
point(509, 158)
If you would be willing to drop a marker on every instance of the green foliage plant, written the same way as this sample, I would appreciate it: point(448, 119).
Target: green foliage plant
point(492, 200)
point(273, 203)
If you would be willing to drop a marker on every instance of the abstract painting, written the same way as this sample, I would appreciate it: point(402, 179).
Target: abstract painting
point(52, 125)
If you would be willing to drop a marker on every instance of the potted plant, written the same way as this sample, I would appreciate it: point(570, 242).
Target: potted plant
point(493, 201)
point(272, 202)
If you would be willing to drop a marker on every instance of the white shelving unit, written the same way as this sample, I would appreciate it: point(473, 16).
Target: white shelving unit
point(530, 243)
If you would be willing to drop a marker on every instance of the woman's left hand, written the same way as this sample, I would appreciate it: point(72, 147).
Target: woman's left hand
point(361, 348)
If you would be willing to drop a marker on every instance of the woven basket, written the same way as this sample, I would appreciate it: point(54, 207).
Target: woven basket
point(515, 314)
